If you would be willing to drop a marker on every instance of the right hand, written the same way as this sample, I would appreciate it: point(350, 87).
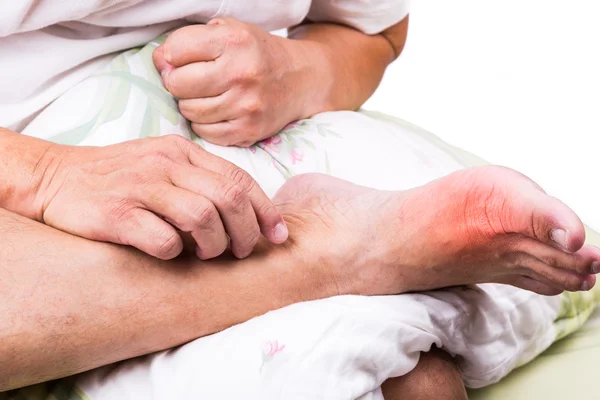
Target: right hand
point(136, 193)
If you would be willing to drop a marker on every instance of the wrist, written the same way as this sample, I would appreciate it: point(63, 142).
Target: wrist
point(311, 62)
point(22, 173)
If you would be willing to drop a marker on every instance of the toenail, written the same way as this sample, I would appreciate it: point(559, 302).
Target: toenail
point(585, 286)
point(559, 236)
point(595, 267)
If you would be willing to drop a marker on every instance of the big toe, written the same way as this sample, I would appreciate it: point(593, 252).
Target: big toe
point(528, 210)
point(553, 222)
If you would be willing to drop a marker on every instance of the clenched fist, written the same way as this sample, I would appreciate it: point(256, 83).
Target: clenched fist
point(235, 82)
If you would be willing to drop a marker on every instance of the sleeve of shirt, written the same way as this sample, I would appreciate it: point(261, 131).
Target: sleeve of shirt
point(368, 16)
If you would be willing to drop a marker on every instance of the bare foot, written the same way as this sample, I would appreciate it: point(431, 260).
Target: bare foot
point(435, 377)
point(485, 224)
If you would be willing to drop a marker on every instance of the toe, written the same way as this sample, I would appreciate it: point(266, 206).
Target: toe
point(561, 278)
point(527, 283)
point(585, 261)
point(554, 223)
point(512, 203)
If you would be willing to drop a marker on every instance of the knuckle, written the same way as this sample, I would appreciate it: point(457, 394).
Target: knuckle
point(253, 105)
point(267, 208)
point(161, 157)
point(252, 73)
point(232, 196)
point(239, 36)
point(174, 85)
point(188, 110)
point(121, 210)
point(240, 177)
point(138, 178)
point(204, 215)
point(173, 143)
point(168, 246)
point(172, 139)
point(169, 83)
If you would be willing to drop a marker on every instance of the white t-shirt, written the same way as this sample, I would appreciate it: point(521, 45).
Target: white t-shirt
point(48, 46)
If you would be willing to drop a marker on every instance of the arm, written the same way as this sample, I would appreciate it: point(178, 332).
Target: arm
point(238, 84)
point(21, 160)
point(119, 193)
point(71, 305)
point(348, 64)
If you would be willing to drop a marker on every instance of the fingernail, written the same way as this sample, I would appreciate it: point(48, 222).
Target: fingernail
point(166, 70)
point(280, 232)
point(595, 267)
point(164, 73)
point(585, 286)
point(559, 236)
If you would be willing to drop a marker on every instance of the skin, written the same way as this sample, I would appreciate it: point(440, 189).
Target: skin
point(69, 296)
point(435, 377)
point(99, 194)
point(252, 101)
point(70, 304)
point(238, 84)
point(485, 224)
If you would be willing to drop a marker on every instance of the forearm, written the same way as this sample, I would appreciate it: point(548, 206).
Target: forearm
point(22, 163)
point(349, 65)
point(70, 305)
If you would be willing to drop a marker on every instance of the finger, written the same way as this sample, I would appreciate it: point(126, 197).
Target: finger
point(222, 133)
point(271, 222)
point(149, 233)
point(163, 67)
point(231, 201)
point(208, 110)
point(195, 43)
point(200, 79)
point(191, 213)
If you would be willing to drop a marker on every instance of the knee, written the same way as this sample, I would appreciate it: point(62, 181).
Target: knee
point(435, 377)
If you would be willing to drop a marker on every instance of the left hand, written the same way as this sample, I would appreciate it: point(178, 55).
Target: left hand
point(235, 82)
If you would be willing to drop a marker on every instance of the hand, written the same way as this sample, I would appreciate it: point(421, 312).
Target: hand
point(237, 83)
point(136, 193)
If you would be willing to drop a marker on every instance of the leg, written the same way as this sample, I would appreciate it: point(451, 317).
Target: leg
point(323, 214)
point(486, 224)
point(435, 377)
point(70, 305)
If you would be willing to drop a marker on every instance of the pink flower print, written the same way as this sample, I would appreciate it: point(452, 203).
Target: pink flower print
point(296, 156)
point(269, 350)
point(252, 149)
point(272, 141)
point(272, 347)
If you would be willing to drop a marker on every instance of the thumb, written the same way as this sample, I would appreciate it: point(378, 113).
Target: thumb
point(158, 57)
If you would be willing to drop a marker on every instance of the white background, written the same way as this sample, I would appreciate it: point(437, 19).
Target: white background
point(516, 82)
